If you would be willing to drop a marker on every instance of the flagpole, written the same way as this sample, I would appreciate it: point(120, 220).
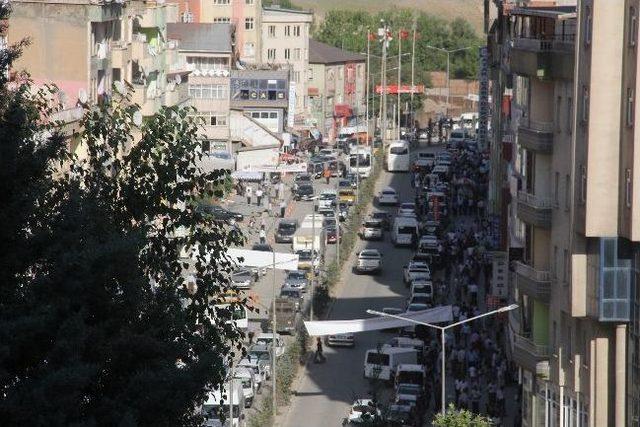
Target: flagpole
point(400, 33)
point(367, 88)
point(413, 68)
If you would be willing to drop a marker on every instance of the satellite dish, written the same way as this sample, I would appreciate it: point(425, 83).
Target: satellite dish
point(213, 73)
point(82, 96)
point(196, 72)
point(178, 79)
point(137, 118)
point(120, 87)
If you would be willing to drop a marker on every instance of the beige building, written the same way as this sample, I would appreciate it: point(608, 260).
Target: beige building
point(336, 87)
point(207, 52)
point(244, 15)
point(563, 153)
point(285, 40)
point(84, 47)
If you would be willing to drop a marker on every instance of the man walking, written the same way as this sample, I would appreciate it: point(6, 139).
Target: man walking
point(283, 208)
point(247, 193)
point(259, 196)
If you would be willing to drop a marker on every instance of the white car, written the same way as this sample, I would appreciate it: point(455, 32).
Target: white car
point(407, 209)
point(267, 339)
point(371, 229)
point(416, 270)
point(417, 307)
point(363, 411)
point(328, 152)
point(422, 287)
point(369, 261)
point(388, 196)
point(341, 340)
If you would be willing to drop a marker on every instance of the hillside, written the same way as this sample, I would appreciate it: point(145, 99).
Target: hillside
point(471, 10)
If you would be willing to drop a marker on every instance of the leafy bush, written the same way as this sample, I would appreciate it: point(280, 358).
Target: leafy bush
point(460, 418)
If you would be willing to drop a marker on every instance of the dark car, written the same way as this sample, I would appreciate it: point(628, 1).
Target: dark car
point(332, 234)
point(384, 218)
point(219, 212)
point(285, 231)
point(343, 211)
point(262, 247)
point(300, 179)
point(293, 294)
point(304, 192)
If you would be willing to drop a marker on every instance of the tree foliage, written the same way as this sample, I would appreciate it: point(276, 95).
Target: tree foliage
point(285, 4)
point(348, 29)
point(97, 326)
point(460, 418)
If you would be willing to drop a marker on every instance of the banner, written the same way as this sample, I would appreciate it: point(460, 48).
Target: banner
point(331, 327)
point(403, 89)
point(261, 259)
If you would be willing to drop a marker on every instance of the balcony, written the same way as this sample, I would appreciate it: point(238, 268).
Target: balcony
point(120, 54)
point(147, 99)
point(148, 57)
point(526, 353)
point(152, 17)
point(534, 210)
point(535, 283)
point(536, 136)
point(549, 58)
point(176, 94)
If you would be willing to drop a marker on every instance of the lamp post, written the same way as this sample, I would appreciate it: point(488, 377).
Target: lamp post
point(442, 330)
point(448, 52)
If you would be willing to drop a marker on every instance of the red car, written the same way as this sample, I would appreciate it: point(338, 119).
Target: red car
point(332, 235)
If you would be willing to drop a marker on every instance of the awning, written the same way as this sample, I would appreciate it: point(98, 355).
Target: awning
point(331, 327)
point(262, 259)
point(247, 175)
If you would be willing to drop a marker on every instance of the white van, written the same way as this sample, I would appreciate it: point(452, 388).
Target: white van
point(406, 342)
point(215, 403)
point(246, 378)
point(411, 373)
point(381, 364)
point(404, 231)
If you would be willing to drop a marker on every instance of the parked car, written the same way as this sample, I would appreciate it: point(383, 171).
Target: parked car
point(415, 270)
point(341, 340)
point(262, 247)
point(307, 259)
point(304, 192)
point(294, 295)
point(364, 411)
point(285, 231)
point(242, 279)
point(407, 209)
point(422, 287)
point(297, 279)
point(372, 229)
point(343, 211)
point(301, 179)
point(388, 196)
point(220, 213)
point(266, 339)
point(332, 234)
point(369, 261)
point(384, 217)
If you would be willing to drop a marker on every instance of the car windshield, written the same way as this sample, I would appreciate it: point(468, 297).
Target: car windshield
point(408, 389)
point(297, 275)
point(374, 358)
point(372, 224)
point(379, 215)
point(388, 192)
point(304, 255)
point(328, 196)
point(406, 230)
point(306, 188)
point(301, 178)
point(289, 293)
point(399, 150)
point(263, 248)
point(242, 275)
point(422, 289)
point(360, 160)
point(287, 227)
point(344, 184)
point(408, 206)
point(419, 299)
point(369, 254)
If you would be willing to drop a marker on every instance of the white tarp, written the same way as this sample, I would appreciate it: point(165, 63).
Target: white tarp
point(331, 327)
point(261, 259)
point(282, 167)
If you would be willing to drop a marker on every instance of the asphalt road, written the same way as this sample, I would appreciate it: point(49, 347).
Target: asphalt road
point(326, 391)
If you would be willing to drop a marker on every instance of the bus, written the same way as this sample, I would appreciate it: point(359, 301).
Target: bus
point(398, 157)
point(360, 161)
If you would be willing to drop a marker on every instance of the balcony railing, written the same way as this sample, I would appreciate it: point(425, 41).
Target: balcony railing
point(527, 345)
point(538, 125)
point(533, 282)
point(561, 42)
point(534, 201)
point(532, 273)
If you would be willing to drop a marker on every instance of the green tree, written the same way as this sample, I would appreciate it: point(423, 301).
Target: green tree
point(97, 326)
point(460, 418)
point(285, 4)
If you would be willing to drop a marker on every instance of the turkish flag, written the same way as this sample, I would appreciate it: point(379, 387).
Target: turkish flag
point(371, 37)
point(403, 34)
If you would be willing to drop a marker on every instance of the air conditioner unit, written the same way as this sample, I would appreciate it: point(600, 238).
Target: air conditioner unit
point(178, 79)
point(543, 370)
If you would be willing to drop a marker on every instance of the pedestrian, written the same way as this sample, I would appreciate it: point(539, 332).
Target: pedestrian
point(263, 235)
point(281, 190)
point(283, 208)
point(247, 192)
point(259, 194)
point(319, 357)
point(327, 174)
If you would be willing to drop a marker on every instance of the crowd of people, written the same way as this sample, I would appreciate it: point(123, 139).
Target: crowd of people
point(476, 364)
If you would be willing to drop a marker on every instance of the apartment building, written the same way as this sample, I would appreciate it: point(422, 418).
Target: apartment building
point(206, 51)
point(336, 87)
point(285, 41)
point(245, 16)
point(86, 46)
point(563, 152)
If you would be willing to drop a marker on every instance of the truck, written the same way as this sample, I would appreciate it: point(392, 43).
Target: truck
point(381, 364)
point(220, 401)
point(304, 238)
point(287, 315)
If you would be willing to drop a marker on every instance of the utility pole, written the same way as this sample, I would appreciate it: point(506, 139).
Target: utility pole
point(413, 67)
point(313, 244)
point(366, 91)
point(274, 400)
point(400, 34)
point(385, 40)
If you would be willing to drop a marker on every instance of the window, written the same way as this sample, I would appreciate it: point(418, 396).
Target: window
point(630, 106)
point(296, 76)
point(627, 188)
point(223, 20)
point(583, 184)
point(287, 30)
point(204, 63)
point(587, 26)
point(310, 73)
point(567, 192)
point(287, 53)
point(565, 266)
point(249, 49)
point(248, 23)
point(555, 261)
point(615, 281)
point(218, 120)
point(221, 2)
point(296, 54)
point(556, 188)
point(633, 27)
point(296, 31)
point(271, 31)
point(248, 1)
point(271, 54)
point(585, 104)
point(569, 115)
point(204, 91)
point(554, 336)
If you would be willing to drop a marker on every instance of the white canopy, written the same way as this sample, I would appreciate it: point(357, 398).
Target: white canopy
point(261, 259)
point(331, 327)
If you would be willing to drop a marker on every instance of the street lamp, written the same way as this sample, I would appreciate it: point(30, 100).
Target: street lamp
point(448, 52)
point(442, 330)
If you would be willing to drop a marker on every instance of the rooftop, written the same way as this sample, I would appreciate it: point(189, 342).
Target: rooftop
point(322, 53)
point(201, 37)
point(277, 8)
point(554, 12)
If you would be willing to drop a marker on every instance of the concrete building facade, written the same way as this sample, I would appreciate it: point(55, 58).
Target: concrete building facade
point(285, 41)
point(563, 153)
point(336, 87)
